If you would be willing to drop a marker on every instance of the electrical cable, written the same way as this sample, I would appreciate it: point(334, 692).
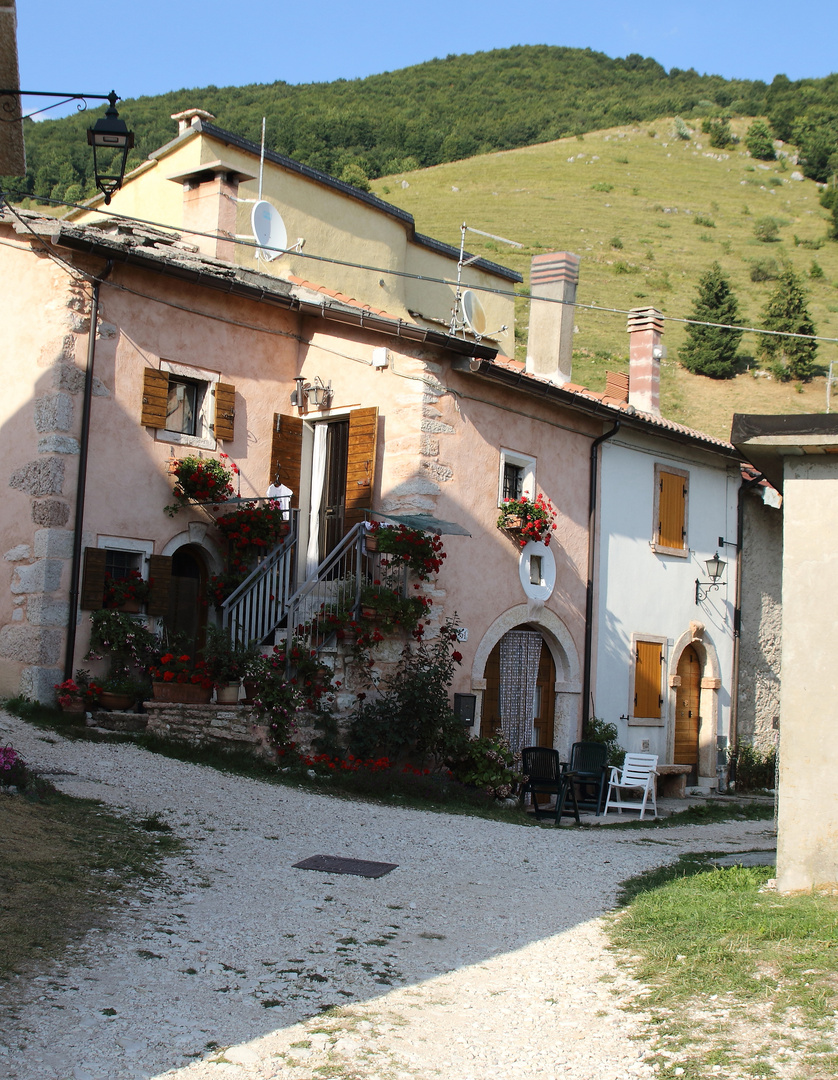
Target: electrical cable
point(428, 279)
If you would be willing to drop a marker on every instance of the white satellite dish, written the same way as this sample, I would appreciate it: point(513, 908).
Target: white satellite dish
point(269, 230)
point(473, 313)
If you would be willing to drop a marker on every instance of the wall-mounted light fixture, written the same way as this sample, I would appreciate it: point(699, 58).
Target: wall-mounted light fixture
point(317, 394)
point(108, 134)
point(715, 569)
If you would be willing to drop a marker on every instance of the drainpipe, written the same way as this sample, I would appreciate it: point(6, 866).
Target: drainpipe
point(737, 610)
point(589, 596)
point(81, 481)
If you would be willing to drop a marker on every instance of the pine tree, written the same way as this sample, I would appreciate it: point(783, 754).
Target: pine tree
point(789, 358)
point(711, 350)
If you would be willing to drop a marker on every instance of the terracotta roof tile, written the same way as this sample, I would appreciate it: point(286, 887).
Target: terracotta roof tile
point(342, 298)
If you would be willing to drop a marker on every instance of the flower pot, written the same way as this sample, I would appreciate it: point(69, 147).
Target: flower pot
point(251, 691)
point(227, 693)
point(76, 705)
point(120, 702)
point(371, 542)
point(513, 523)
point(182, 693)
point(369, 613)
point(130, 607)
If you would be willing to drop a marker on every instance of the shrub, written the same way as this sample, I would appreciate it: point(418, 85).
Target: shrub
point(487, 763)
point(751, 770)
point(681, 130)
point(705, 220)
point(602, 185)
point(596, 730)
point(764, 270)
point(760, 141)
point(766, 229)
point(616, 242)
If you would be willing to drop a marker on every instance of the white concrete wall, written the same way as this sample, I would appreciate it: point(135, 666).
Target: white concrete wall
point(807, 843)
point(652, 595)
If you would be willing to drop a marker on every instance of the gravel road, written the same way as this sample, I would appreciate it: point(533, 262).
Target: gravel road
point(480, 956)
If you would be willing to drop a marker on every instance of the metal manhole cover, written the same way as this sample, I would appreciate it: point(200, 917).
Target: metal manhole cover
point(334, 864)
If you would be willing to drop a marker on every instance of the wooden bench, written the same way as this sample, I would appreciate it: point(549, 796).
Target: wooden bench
point(672, 781)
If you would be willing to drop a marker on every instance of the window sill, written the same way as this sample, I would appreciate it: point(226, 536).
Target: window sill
point(646, 721)
point(679, 553)
point(200, 442)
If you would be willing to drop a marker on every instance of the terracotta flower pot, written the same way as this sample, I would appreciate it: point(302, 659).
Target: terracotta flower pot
point(227, 693)
point(513, 523)
point(120, 702)
point(182, 693)
point(371, 542)
point(75, 705)
point(251, 691)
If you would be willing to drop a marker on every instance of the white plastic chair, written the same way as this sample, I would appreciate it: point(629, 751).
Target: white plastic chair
point(639, 771)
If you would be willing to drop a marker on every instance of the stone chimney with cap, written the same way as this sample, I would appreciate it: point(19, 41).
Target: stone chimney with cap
point(645, 327)
point(210, 196)
point(553, 280)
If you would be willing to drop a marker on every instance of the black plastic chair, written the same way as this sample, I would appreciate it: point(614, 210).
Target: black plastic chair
point(545, 775)
point(588, 763)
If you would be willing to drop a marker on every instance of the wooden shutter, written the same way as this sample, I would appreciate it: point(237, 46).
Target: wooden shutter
point(647, 679)
point(160, 575)
point(360, 468)
point(672, 501)
point(287, 454)
point(225, 410)
point(155, 398)
point(93, 579)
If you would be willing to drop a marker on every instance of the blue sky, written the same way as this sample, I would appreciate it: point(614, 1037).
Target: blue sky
point(159, 46)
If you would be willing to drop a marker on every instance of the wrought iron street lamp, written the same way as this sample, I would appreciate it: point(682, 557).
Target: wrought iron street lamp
point(715, 569)
point(110, 138)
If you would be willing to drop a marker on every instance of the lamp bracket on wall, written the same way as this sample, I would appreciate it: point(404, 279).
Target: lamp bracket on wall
point(715, 569)
point(317, 394)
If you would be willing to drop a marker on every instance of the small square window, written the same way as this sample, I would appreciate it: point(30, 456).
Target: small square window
point(119, 564)
point(517, 476)
point(184, 405)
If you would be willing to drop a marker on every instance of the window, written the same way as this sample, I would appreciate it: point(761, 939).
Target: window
point(118, 556)
point(646, 694)
point(188, 406)
point(517, 476)
point(670, 516)
point(119, 564)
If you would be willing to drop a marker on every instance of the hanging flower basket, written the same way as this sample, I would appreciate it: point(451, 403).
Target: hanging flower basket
point(202, 480)
point(528, 519)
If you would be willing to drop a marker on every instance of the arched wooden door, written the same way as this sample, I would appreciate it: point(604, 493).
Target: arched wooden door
point(687, 718)
point(543, 702)
point(186, 621)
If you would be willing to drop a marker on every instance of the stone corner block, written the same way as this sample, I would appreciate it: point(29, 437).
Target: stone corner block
point(43, 576)
point(50, 512)
point(38, 683)
point(53, 543)
point(31, 644)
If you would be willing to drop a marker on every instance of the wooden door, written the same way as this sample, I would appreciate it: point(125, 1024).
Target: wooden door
point(544, 704)
point(333, 506)
point(186, 620)
point(687, 718)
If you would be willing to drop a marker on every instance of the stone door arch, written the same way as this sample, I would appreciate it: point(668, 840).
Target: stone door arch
point(709, 684)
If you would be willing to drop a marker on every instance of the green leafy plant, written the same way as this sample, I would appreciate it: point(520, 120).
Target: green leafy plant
point(767, 230)
point(486, 762)
point(202, 480)
point(181, 669)
point(227, 660)
point(126, 642)
point(290, 681)
point(252, 530)
point(752, 769)
point(597, 730)
point(528, 519)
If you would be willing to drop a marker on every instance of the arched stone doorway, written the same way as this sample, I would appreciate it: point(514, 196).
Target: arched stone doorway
point(535, 688)
point(560, 661)
point(695, 681)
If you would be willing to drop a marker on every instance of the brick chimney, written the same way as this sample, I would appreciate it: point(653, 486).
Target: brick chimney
point(553, 277)
point(209, 206)
point(645, 327)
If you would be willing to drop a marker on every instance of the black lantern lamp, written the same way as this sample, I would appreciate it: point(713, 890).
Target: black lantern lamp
point(109, 133)
point(715, 569)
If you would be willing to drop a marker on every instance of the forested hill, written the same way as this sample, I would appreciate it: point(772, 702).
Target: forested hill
point(445, 110)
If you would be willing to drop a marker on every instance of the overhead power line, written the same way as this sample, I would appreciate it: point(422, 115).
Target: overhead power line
point(389, 271)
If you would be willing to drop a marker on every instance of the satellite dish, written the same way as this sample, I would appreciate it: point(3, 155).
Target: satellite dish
point(269, 230)
point(473, 313)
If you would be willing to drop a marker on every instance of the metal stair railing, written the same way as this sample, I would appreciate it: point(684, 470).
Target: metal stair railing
point(253, 611)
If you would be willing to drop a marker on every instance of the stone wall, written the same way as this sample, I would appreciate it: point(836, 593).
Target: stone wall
point(229, 726)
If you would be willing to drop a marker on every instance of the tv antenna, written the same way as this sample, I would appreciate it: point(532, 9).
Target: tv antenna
point(468, 312)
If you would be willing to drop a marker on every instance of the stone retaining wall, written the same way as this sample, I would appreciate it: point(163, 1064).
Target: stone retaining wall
point(200, 725)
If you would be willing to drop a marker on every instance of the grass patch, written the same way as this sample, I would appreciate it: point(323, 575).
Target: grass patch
point(735, 974)
point(64, 863)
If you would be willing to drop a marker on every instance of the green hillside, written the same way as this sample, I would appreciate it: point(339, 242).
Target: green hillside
point(648, 212)
point(443, 110)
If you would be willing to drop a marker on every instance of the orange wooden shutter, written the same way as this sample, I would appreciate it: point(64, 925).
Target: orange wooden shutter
point(671, 507)
point(360, 468)
point(93, 579)
point(287, 454)
point(225, 410)
point(155, 398)
point(647, 679)
point(160, 576)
